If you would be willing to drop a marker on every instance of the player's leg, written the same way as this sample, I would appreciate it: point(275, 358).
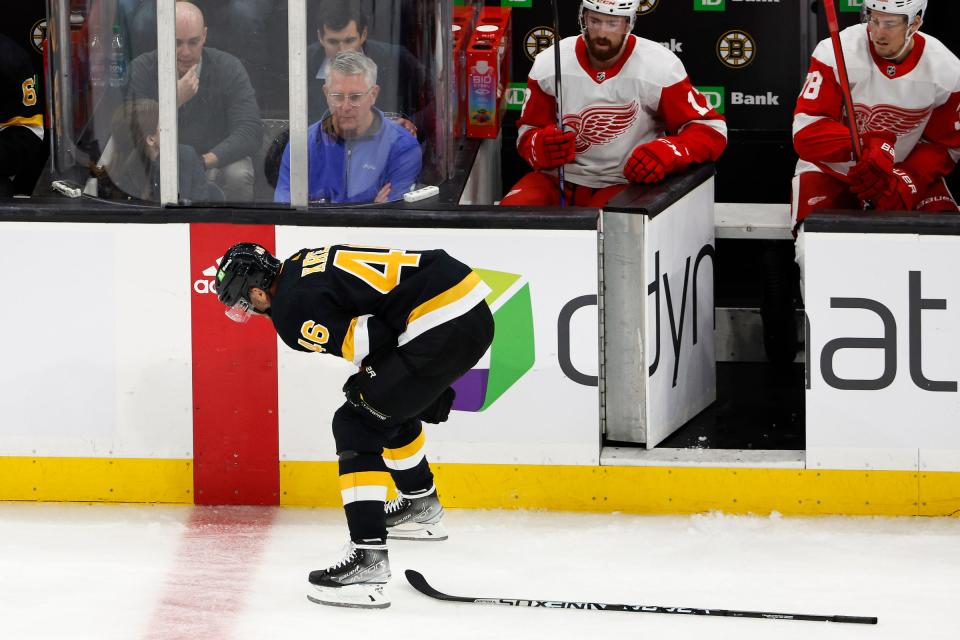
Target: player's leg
point(416, 512)
point(414, 381)
point(814, 191)
point(600, 197)
point(938, 199)
point(358, 579)
point(535, 189)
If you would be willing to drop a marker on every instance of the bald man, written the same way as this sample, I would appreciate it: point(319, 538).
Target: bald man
point(217, 107)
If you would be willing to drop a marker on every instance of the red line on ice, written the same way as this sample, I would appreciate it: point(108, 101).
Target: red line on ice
point(207, 586)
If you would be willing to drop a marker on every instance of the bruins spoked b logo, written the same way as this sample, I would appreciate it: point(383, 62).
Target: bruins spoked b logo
point(736, 49)
point(647, 6)
point(537, 40)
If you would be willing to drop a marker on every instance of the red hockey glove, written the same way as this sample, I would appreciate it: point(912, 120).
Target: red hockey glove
point(551, 148)
point(653, 161)
point(904, 196)
point(872, 177)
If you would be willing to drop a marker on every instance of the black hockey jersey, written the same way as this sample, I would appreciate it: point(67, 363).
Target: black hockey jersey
point(352, 301)
point(19, 102)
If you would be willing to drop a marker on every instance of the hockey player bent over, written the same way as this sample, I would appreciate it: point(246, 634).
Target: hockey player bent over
point(630, 114)
point(906, 91)
point(414, 322)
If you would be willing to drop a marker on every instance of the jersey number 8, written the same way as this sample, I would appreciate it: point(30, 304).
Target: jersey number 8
point(29, 92)
point(811, 88)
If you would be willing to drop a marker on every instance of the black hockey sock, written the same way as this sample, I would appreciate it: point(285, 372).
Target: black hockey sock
point(363, 486)
point(405, 457)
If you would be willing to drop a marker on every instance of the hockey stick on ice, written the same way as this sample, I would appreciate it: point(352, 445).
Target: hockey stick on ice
point(833, 25)
point(561, 174)
point(420, 583)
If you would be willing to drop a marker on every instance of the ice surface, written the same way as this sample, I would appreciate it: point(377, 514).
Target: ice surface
point(128, 572)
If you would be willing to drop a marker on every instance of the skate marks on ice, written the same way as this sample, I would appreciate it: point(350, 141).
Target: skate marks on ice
point(110, 571)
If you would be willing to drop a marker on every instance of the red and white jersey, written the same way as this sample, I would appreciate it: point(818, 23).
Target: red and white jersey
point(646, 95)
point(917, 99)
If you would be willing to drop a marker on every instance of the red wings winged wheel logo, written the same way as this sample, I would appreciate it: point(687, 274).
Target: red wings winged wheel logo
point(886, 117)
point(600, 125)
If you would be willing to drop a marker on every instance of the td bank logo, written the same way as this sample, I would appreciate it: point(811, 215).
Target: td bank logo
point(850, 6)
point(516, 92)
point(716, 97)
point(512, 353)
point(709, 5)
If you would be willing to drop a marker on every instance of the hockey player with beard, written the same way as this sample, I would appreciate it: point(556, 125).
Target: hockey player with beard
point(630, 114)
point(413, 322)
point(906, 93)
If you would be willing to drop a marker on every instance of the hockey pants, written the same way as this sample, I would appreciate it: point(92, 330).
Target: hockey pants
point(399, 385)
point(539, 189)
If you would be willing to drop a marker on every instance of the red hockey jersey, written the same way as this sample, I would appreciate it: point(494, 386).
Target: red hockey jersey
point(917, 99)
point(646, 95)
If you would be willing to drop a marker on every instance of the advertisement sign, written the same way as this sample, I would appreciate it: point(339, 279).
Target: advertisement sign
point(883, 351)
point(96, 353)
point(532, 399)
point(680, 351)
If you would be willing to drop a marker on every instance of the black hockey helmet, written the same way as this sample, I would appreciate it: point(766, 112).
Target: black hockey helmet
point(243, 266)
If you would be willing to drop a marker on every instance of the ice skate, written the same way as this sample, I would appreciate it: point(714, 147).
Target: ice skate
point(415, 517)
point(356, 581)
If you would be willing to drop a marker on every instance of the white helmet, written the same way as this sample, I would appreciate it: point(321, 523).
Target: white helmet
point(626, 8)
point(909, 8)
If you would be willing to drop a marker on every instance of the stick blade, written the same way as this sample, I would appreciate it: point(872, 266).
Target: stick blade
point(418, 582)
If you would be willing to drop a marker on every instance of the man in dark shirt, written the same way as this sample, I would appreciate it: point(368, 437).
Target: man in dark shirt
point(218, 113)
point(343, 27)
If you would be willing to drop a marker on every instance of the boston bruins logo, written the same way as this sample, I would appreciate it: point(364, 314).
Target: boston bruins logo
point(537, 40)
point(37, 33)
point(647, 6)
point(736, 49)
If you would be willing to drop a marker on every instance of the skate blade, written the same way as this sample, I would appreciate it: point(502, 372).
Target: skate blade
point(418, 531)
point(357, 596)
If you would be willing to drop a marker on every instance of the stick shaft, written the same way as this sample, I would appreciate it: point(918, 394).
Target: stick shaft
point(419, 582)
point(833, 25)
point(558, 80)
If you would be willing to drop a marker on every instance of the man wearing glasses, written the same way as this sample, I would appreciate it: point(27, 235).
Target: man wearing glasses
point(343, 26)
point(906, 91)
point(355, 154)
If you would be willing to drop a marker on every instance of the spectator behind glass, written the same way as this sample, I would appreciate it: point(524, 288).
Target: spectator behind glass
point(22, 151)
point(218, 114)
point(135, 169)
point(355, 154)
point(343, 26)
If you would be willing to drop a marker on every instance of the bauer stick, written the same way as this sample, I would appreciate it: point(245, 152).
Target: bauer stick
point(833, 25)
point(559, 90)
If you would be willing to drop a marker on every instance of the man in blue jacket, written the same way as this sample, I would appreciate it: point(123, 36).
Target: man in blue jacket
point(354, 153)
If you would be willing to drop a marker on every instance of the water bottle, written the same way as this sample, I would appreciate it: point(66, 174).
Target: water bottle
point(118, 59)
point(98, 61)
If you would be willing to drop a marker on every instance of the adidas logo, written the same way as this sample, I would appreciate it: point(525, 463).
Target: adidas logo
point(207, 284)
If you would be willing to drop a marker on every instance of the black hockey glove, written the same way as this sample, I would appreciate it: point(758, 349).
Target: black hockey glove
point(439, 410)
point(352, 391)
